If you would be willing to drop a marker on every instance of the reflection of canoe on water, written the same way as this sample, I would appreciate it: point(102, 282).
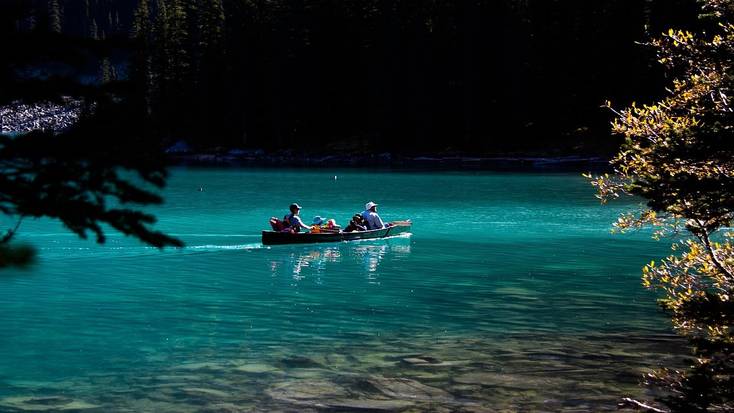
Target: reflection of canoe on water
point(273, 237)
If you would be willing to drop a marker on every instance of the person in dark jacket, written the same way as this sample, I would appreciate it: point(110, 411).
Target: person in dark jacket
point(293, 221)
point(356, 224)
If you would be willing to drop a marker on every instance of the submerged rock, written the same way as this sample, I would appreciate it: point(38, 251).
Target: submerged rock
point(201, 366)
point(514, 381)
point(171, 378)
point(204, 392)
point(300, 362)
point(309, 373)
point(256, 368)
point(420, 360)
point(148, 405)
point(313, 393)
point(226, 408)
point(477, 409)
point(407, 389)
point(351, 396)
point(45, 403)
point(428, 361)
point(339, 360)
point(369, 405)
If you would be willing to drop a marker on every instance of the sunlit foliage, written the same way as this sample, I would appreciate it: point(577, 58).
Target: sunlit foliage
point(678, 155)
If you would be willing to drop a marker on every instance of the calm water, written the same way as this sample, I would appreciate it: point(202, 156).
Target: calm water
point(509, 295)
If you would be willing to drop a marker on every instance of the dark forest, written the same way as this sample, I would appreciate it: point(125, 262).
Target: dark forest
point(479, 77)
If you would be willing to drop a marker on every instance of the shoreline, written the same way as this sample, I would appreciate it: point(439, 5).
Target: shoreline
point(18, 118)
point(391, 161)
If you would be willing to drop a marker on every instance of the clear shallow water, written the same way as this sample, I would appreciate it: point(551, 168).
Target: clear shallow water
point(510, 294)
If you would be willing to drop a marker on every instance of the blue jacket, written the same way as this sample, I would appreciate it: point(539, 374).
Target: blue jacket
point(372, 220)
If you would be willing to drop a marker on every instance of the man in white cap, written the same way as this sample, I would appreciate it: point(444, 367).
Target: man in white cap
point(371, 219)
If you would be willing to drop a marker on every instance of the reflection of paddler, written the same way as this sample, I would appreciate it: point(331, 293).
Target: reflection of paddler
point(372, 256)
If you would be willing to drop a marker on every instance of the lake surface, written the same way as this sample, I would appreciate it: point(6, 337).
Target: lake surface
point(509, 295)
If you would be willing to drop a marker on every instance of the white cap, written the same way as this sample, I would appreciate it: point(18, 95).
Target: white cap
point(369, 205)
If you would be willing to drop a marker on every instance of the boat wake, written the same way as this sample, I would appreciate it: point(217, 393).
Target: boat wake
point(83, 251)
point(211, 247)
point(184, 235)
point(66, 253)
point(397, 236)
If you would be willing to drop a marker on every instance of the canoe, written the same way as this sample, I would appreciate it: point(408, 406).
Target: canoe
point(276, 238)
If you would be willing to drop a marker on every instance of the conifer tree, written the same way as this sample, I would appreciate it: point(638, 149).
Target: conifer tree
point(178, 46)
point(93, 30)
point(32, 21)
point(141, 27)
point(178, 37)
point(212, 21)
point(54, 16)
point(142, 65)
point(161, 56)
point(162, 38)
point(106, 71)
point(209, 62)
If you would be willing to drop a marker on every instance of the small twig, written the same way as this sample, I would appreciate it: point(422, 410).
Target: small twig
point(704, 236)
point(9, 235)
point(627, 402)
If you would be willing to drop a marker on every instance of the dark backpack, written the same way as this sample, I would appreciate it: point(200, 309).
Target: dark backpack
point(277, 224)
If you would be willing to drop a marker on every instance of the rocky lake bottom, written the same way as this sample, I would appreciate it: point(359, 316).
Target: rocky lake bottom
point(411, 374)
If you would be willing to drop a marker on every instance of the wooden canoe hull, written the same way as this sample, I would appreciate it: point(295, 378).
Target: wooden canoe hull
point(277, 238)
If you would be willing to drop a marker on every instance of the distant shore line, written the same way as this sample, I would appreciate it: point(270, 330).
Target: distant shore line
point(239, 158)
point(19, 118)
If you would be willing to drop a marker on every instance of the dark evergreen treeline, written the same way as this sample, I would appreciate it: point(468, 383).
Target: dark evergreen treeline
point(375, 75)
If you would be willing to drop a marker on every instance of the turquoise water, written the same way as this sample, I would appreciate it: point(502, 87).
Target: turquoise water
point(510, 293)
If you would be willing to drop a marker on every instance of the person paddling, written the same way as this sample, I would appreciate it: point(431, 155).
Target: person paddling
point(293, 220)
point(356, 224)
point(371, 219)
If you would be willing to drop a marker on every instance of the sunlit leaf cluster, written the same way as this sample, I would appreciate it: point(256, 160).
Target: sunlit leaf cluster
point(692, 280)
point(678, 156)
